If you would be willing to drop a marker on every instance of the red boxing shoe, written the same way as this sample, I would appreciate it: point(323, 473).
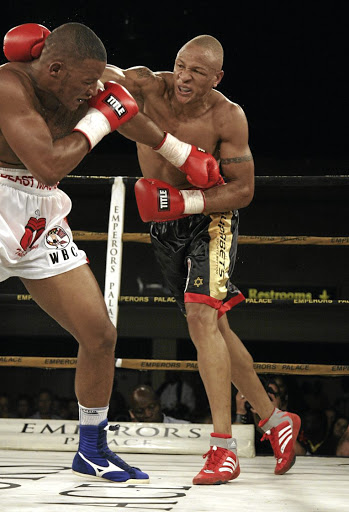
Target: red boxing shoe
point(282, 430)
point(222, 462)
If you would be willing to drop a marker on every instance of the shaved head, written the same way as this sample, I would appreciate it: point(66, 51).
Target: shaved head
point(212, 48)
point(145, 405)
point(142, 392)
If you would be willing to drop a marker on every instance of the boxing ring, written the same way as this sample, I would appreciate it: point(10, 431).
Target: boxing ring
point(35, 456)
point(33, 482)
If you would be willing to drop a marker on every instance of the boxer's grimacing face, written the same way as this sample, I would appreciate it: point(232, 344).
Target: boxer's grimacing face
point(194, 74)
point(79, 82)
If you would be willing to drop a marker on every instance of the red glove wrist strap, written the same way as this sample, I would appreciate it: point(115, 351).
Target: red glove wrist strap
point(161, 143)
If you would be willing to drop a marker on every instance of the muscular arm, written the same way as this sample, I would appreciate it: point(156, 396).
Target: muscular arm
point(142, 129)
point(139, 81)
point(237, 165)
point(27, 133)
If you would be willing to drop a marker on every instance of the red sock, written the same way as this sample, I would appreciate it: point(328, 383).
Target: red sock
point(223, 436)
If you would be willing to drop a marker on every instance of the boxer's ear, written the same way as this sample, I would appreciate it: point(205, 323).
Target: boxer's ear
point(218, 78)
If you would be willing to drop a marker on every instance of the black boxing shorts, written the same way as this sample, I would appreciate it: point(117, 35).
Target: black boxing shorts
point(197, 256)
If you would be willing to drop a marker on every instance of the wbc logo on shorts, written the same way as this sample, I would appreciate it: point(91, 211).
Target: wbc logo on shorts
point(163, 199)
point(57, 238)
point(115, 105)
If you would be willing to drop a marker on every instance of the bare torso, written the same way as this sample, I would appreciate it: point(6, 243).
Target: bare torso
point(208, 120)
point(197, 125)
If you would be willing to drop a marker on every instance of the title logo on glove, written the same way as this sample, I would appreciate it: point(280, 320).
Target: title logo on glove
point(115, 105)
point(163, 199)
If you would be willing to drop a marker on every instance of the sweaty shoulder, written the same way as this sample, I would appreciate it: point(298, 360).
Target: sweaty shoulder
point(140, 81)
point(225, 107)
point(226, 113)
point(13, 75)
point(149, 82)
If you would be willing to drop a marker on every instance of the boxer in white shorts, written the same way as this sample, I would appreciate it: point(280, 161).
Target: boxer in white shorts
point(52, 113)
point(35, 238)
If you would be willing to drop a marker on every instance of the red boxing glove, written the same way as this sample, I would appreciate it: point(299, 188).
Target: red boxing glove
point(109, 109)
point(201, 168)
point(158, 201)
point(195, 166)
point(25, 42)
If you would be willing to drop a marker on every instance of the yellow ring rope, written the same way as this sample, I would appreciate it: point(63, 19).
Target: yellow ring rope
point(158, 364)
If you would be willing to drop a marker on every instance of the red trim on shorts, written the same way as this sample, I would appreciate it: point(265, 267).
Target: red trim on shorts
point(230, 304)
point(202, 299)
point(214, 303)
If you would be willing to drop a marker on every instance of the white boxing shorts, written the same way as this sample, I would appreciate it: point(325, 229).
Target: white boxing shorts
point(35, 239)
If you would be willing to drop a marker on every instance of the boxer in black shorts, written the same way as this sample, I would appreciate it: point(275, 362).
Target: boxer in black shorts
point(188, 211)
point(197, 257)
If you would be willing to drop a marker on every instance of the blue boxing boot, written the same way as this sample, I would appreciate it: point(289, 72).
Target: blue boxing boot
point(94, 458)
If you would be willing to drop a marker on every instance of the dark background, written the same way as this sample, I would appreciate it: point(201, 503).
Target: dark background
point(286, 65)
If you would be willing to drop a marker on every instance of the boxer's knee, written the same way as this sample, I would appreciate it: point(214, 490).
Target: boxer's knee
point(202, 320)
point(106, 340)
point(202, 324)
point(101, 339)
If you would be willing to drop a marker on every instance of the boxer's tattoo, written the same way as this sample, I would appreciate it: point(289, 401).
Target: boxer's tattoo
point(144, 73)
point(236, 159)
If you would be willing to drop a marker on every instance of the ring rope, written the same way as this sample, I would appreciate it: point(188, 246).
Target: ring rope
point(285, 181)
point(159, 364)
point(90, 236)
point(144, 300)
point(138, 364)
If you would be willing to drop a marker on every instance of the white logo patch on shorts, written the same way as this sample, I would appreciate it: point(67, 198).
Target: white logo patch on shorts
point(57, 238)
point(57, 258)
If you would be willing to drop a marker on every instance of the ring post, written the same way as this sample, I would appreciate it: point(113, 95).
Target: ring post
point(114, 249)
